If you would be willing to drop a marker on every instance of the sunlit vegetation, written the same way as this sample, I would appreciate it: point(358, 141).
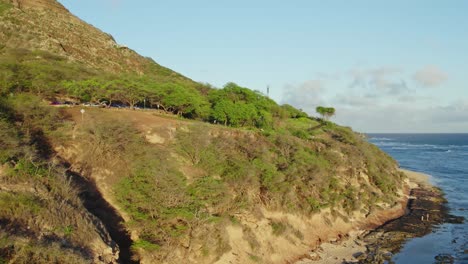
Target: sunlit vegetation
point(56, 79)
point(238, 170)
point(277, 156)
point(249, 151)
point(325, 112)
point(4, 7)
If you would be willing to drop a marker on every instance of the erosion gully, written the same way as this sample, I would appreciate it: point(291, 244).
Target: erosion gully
point(95, 203)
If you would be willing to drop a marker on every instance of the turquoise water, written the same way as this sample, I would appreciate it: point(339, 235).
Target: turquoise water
point(445, 158)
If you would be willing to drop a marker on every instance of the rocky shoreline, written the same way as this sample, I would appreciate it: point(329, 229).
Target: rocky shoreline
point(426, 209)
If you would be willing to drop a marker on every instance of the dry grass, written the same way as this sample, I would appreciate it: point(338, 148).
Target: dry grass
point(42, 218)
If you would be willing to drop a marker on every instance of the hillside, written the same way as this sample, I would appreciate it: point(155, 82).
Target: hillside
point(48, 26)
point(165, 170)
point(188, 190)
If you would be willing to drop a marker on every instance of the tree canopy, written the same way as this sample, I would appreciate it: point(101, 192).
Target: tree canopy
point(238, 106)
point(325, 112)
point(54, 78)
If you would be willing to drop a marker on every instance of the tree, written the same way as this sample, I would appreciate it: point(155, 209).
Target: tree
point(114, 90)
point(90, 90)
point(184, 101)
point(222, 110)
point(325, 112)
point(238, 106)
point(133, 93)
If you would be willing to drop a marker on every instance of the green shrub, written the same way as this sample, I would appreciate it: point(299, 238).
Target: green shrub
point(314, 204)
point(208, 191)
point(302, 134)
point(278, 228)
point(255, 258)
point(9, 141)
point(4, 7)
point(143, 244)
point(43, 254)
point(19, 206)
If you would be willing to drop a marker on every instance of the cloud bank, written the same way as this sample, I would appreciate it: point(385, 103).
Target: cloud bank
point(430, 76)
point(386, 80)
point(401, 118)
point(383, 99)
point(305, 96)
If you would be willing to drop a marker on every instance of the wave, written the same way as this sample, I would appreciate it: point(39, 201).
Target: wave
point(396, 144)
point(418, 146)
point(458, 146)
point(382, 139)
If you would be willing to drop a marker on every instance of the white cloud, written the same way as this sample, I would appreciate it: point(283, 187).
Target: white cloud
point(305, 96)
point(387, 80)
point(430, 76)
point(400, 118)
point(379, 100)
point(354, 100)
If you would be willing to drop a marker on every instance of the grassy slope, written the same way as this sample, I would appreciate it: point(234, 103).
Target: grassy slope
point(41, 50)
point(62, 34)
point(177, 183)
point(198, 178)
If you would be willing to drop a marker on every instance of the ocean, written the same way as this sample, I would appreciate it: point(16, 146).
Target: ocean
point(445, 158)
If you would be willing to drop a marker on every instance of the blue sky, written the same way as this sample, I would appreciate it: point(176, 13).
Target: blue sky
point(386, 66)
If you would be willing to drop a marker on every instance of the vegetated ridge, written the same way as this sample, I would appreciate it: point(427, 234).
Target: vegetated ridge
point(48, 26)
point(201, 175)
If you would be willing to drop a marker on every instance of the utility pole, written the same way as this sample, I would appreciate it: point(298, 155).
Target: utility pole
point(268, 90)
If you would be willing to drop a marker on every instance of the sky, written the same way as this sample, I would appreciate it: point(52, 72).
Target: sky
point(386, 66)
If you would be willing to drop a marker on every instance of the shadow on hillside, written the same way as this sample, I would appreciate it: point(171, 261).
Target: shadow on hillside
point(99, 207)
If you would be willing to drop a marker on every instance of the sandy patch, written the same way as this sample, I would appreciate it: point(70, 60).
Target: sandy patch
point(329, 253)
point(154, 138)
point(417, 178)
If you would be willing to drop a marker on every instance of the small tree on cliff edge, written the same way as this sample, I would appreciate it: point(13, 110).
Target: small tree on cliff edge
point(325, 112)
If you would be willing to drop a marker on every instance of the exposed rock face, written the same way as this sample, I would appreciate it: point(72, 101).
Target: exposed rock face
point(41, 4)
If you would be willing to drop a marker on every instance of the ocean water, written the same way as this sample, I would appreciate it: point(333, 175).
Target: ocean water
point(445, 158)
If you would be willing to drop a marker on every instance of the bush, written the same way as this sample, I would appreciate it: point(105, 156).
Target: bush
point(278, 228)
point(4, 7)
point(146, 245)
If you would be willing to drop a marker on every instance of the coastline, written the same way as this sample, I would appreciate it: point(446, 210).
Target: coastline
point(383, 235)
